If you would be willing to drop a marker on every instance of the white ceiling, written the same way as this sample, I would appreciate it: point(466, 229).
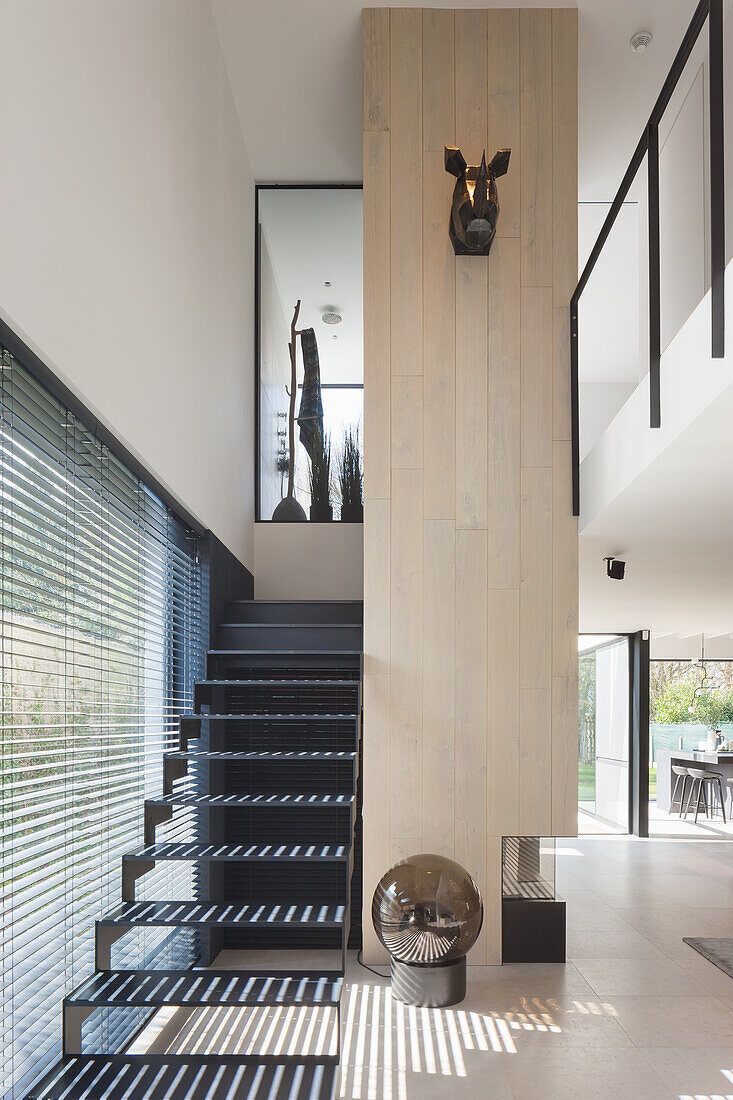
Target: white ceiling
point(672, 647)
point(315, 236)
point(295, 68)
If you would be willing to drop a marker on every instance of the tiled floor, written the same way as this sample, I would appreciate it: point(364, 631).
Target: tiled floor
point(635, 1013)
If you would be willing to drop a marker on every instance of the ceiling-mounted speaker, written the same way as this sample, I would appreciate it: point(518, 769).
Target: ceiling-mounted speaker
point(615, 568)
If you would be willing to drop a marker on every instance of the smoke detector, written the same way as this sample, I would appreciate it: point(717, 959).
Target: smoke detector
point(641, 41)
point(331, 318)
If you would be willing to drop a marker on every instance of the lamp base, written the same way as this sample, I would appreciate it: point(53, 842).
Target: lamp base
point(429, 986)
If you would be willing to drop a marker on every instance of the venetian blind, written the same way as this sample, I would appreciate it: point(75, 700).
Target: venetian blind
point(100, 641)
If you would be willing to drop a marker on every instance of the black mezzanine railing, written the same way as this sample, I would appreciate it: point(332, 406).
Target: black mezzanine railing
point(648, 146)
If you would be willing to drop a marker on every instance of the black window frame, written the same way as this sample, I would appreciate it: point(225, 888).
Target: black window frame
point(359, 186)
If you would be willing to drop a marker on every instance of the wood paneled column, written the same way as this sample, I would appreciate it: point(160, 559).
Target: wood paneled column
point(470, 585)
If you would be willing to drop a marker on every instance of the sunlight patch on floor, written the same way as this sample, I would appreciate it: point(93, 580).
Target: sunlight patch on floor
point(290, 1031)
point(384, 1040)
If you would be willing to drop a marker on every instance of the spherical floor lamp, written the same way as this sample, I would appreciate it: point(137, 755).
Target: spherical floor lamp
point(427, 911)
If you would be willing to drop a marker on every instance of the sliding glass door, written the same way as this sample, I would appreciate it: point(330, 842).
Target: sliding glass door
point(604, 733)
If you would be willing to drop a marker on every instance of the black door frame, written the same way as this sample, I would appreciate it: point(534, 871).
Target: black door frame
point(639, 733)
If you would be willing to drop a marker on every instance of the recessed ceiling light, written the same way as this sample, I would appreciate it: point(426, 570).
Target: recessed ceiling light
point(641, 41)
point(331, 318)
point(326, 283)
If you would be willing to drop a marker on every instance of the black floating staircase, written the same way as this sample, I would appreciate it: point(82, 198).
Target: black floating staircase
point(269, 763)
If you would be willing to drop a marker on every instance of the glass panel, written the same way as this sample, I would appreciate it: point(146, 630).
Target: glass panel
point(603, 733)
point(587, 732)
point(691, 710)
point(613, 335)
point(310, 251)
point(528, 867)
point(682, 204)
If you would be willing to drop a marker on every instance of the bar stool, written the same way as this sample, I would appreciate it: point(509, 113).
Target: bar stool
point(704, 779)
point(682, 774)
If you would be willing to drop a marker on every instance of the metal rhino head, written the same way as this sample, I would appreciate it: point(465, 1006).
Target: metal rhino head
point(475, 209)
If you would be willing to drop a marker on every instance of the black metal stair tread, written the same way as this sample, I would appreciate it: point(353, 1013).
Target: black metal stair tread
point(291, 626)
point(271, 801)
point(212, 914)
point(108, 1077)
point(265, 601)
point(284, 652)
point(269, 717)
point(156, 988)
point(277, 683)
point(288, 755)
point(288, 852)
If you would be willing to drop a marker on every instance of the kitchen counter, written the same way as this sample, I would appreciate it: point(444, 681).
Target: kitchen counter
point(713, 761)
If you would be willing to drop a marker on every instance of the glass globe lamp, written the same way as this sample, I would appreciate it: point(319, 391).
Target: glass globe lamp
point(427, 911)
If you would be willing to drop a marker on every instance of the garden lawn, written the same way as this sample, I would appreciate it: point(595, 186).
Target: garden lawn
point(586, 783)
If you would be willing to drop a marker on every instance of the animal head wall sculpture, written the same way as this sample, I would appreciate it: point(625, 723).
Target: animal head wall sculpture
point(475, 209)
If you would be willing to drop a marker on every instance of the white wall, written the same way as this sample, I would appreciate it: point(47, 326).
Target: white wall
point(692, 382)
point(309, 561)
point(661, 498)
point(126, 223)
point(614, 332)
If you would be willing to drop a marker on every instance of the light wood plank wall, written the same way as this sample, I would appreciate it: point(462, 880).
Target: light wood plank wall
point(470, 586)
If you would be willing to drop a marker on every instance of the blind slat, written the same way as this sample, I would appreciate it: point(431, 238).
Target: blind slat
point(100, 640)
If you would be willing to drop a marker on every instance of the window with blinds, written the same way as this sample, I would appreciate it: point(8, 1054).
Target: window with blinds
point(100, 642)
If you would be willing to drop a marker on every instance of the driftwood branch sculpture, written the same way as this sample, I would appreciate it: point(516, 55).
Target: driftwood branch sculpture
point(292, 393)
